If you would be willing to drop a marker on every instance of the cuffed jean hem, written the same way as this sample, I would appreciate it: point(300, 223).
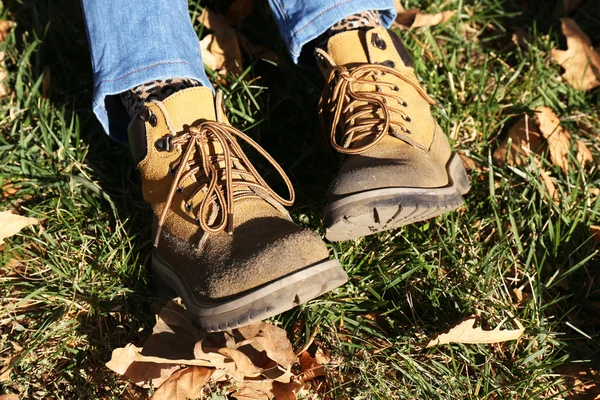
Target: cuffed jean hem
point(300, 26)
point(107, 102)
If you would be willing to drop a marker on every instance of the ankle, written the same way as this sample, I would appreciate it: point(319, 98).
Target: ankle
point(364, 20)
point(134, 99)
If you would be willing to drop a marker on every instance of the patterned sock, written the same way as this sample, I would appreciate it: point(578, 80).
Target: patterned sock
point(364, 21)
point(134, 99)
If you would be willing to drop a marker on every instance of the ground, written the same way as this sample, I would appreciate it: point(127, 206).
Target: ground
point(75, 287)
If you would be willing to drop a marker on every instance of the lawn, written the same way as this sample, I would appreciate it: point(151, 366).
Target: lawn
point(75, 287)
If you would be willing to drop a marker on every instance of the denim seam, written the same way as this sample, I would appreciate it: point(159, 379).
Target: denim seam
point(286, 18)
point(316, 17)
point(122, 77)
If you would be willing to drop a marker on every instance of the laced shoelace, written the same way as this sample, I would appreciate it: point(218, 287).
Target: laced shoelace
point(363, 110)
point(226, 177)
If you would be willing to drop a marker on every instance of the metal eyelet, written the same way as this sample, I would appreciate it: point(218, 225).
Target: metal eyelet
point(164, 143)
point(406, 118)
point(171, 170)
point(405, 130)
point(321, 60)
point(395, 88)
point(148, 116)
point(389, 63)
point(403, 103)
point(180, 189)
point(188, 207)
point(378, 42)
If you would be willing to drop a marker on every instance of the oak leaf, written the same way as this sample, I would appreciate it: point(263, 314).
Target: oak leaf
point(221, 49)
point(525, 138)
point(10, 224)
point(466, 332)
point(184, 384)
point(580, 61)
point(415, 18)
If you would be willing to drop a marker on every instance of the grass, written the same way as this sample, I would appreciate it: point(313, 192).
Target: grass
point(76, 287)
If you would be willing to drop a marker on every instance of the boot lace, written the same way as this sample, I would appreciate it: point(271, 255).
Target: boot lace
point(374, 113)
point(224, 178)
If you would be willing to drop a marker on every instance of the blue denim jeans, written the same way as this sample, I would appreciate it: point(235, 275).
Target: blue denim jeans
point(137, 41)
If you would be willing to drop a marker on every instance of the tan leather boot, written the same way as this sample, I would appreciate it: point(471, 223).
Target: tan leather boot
point(224, 241)
point(398, 166)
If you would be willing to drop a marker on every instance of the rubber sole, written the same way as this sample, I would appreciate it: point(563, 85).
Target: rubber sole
point(379, 210)
point(255, 305)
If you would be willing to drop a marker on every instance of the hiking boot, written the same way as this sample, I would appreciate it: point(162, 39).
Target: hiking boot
point(398, 166)
point(223, 240)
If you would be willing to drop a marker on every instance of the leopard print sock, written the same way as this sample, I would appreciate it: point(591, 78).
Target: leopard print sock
point(364, 20)
point(134, 99)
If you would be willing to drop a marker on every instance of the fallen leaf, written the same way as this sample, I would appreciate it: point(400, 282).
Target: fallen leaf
point(11, 224)
point(9, 397)
point(584, 155)
point(239, 10)
point(220, 50)
point(184, 384)
point(5, 27)
point(595, 231)
point(255, 352)
point(559, 139)
point(144, 374)
point(265, 390)
point(581, 383)
point(414, 18)
point(525, 138)
point(580, 61)
point(466, 332)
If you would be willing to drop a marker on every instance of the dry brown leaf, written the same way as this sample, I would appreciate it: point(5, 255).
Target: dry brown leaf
point(548, 184)
point(239, 10)
point(11, 224)
point(9, 397)
point(184, 384)
point(414, 18)
point(259, 351)
point(124, 361)
point(584, 155)
point(526, 138)
point(6, 367)
point(221, 50)
point(466, 332)
point(582, 383)
point(559, 139)
point(595, 231)
point(580, 61)
point(5, 27)
point(265, 390)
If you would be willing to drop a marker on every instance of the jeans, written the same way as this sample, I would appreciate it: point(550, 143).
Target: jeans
point(137, 41)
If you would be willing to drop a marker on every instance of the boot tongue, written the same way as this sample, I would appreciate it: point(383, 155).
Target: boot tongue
point(348, 48)
point(188, 106)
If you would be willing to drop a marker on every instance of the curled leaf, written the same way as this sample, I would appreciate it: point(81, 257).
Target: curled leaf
point(11, 224)
point(466, 332)
point(414, 18)
point(184, 384)
point(580, 61)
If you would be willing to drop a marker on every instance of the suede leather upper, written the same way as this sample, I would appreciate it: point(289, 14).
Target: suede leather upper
point(265, 244)
point(414, 159)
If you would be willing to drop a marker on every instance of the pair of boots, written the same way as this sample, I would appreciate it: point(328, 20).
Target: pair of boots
point(224, 241)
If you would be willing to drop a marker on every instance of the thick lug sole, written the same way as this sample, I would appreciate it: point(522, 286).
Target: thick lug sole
point(254, 305)
point(380, 210)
